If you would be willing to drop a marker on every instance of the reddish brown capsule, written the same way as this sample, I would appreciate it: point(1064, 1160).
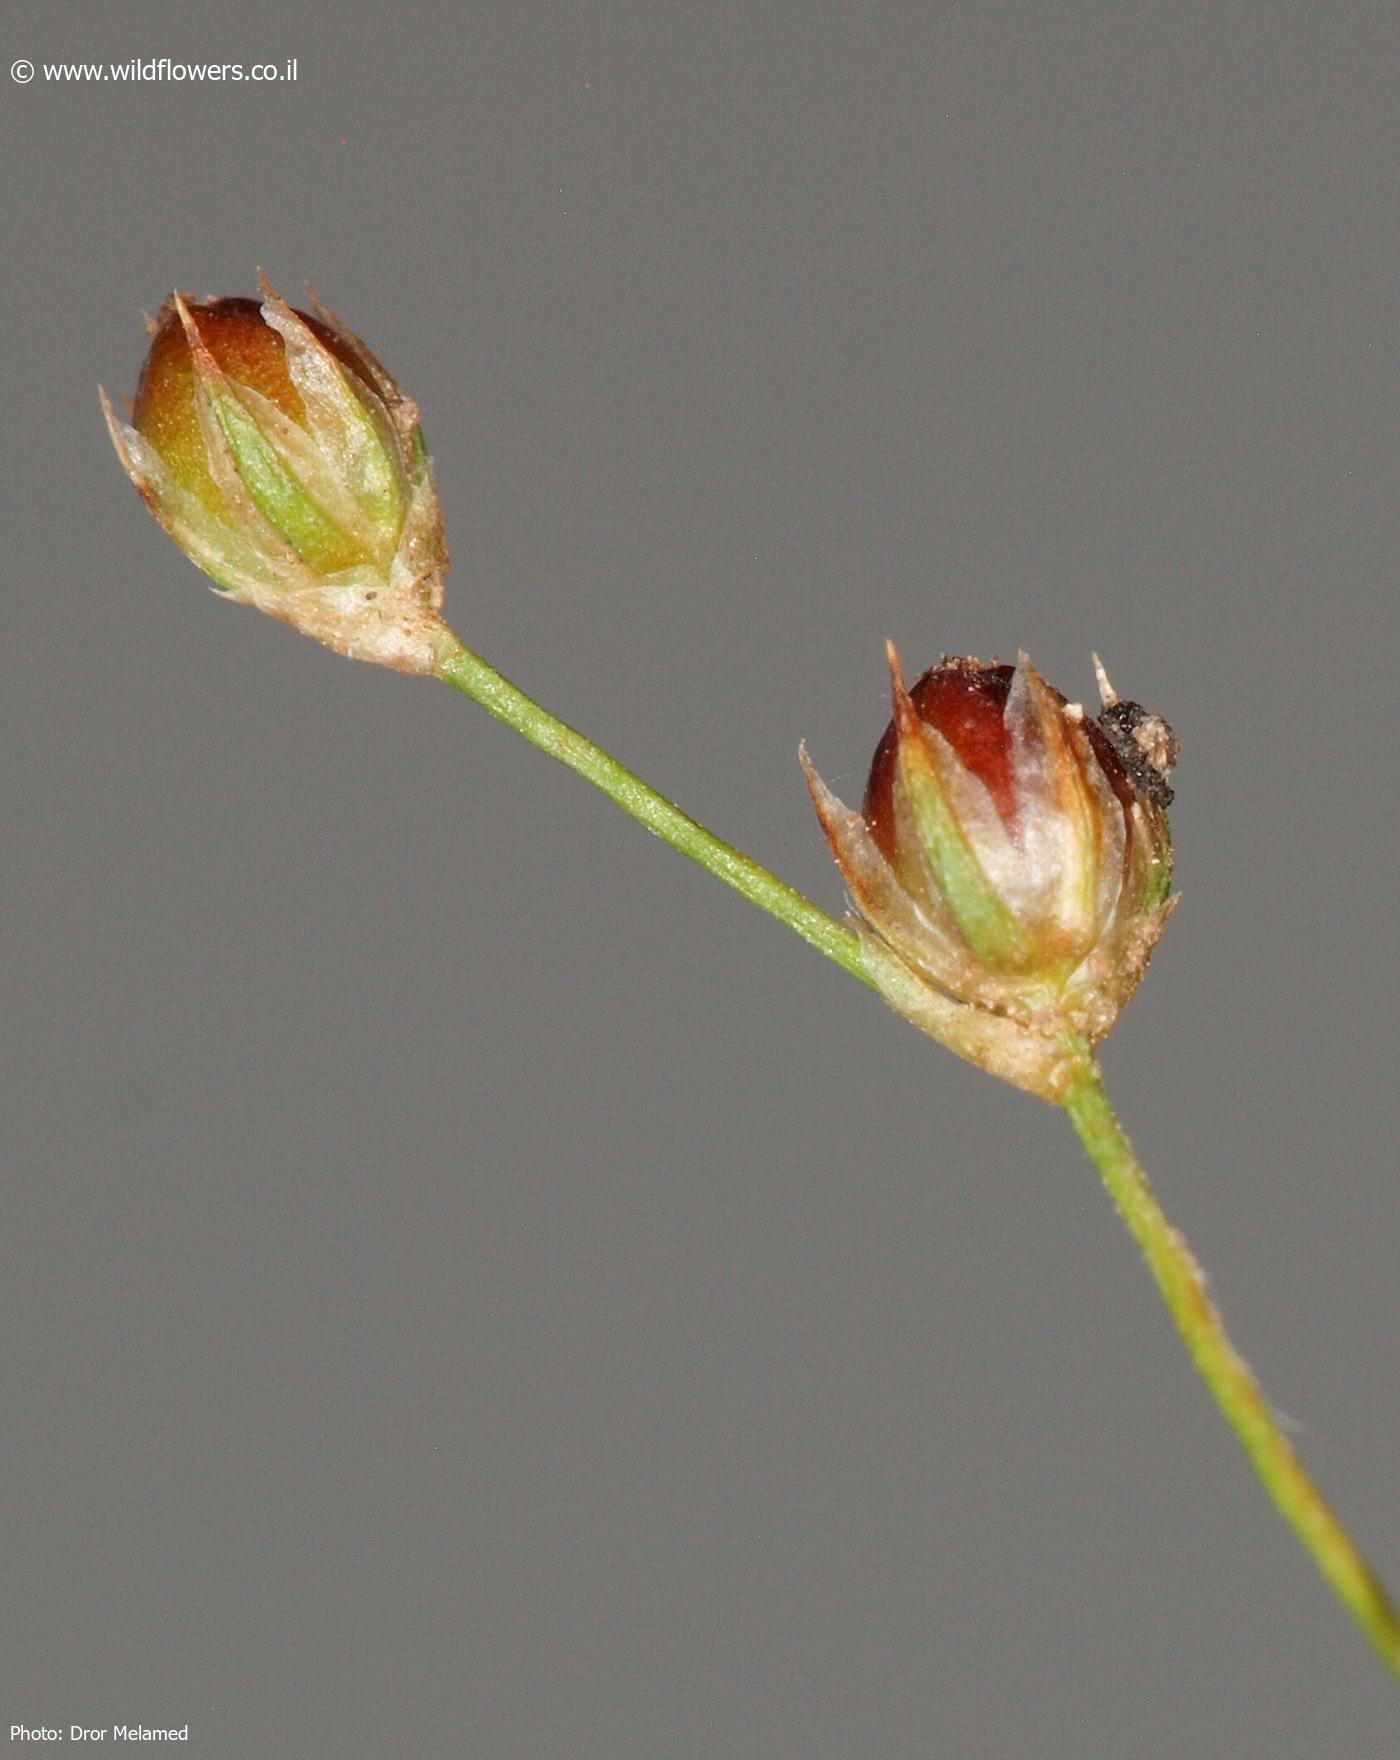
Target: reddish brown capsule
point(1011, 862)
point(286, 463)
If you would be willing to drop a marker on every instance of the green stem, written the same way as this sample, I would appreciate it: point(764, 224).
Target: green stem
point(1168, 1257)
point(1228, 1377)
point(475, 678)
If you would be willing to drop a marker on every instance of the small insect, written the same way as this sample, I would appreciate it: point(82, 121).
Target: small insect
point(1145, 745)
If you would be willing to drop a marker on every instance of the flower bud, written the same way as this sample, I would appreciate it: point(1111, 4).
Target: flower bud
point(285, 463)
point(1011, 863)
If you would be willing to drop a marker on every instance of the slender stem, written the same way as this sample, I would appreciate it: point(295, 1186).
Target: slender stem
point(1168, 1257)
point(477, 679)
point(1227, 1376)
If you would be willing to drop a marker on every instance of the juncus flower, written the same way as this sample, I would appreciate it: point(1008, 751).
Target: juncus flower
point(286, 463)
point(1011, 862)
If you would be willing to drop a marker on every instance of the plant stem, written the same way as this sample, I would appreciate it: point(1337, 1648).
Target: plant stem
point(1224, 1372)
point(1168, 1257)
point(477, 679)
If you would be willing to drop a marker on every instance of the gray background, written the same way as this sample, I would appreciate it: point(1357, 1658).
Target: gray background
point(473, 1286)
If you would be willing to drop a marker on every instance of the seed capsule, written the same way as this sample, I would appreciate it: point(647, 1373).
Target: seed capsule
point(1011, 862)
point(285, 462)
